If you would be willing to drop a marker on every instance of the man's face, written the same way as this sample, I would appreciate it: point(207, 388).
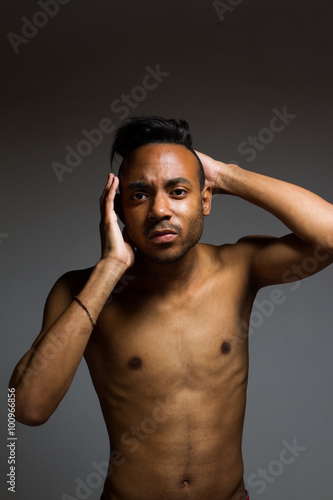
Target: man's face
point(162, 204)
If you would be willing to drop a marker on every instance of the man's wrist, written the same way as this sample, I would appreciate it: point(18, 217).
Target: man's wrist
point(226, 176)
point(111, 267)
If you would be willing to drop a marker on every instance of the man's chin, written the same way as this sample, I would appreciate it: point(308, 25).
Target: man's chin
point(165, 256)
point(167, 259)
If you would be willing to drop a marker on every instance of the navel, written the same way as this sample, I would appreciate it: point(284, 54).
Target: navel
point(185, 483)
point(225, 348)
point(134, 363)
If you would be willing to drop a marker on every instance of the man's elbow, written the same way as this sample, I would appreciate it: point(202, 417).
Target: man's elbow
point(30, 415)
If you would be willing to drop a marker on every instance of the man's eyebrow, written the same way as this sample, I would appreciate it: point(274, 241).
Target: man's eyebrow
point(178, 180)
point(137, 185)
point(171, 182)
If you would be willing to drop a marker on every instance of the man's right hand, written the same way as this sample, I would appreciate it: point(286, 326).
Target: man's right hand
point(115, 245)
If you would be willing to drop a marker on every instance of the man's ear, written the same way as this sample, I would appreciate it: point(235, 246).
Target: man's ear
point(117, 207)
point(206, 197)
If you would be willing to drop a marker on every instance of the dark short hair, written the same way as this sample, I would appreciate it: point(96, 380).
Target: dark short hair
point(151, 129)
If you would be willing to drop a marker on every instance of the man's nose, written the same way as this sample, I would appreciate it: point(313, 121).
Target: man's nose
point(160, 207)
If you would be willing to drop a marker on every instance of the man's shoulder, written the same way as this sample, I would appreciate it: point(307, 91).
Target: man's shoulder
point(257, 240)
point(74, 280)
point(62, 292)
point(243, 248)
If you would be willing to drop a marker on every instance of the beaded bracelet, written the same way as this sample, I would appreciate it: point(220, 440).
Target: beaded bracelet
point(92, 321)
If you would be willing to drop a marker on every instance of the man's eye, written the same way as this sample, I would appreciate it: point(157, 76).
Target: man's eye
point(138, 196)
point(178, 191)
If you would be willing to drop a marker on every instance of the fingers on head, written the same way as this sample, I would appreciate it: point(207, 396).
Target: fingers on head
point(106, 188)
point(115, 182)
point(110, 195)
point(110, 188)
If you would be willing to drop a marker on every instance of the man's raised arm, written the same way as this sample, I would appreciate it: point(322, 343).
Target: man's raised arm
point(44, 374)
point(309, 217)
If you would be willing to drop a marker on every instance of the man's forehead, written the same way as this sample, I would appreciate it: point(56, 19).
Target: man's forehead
point(162, 160)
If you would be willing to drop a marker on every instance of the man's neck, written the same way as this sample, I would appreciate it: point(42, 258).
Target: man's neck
point(164, 278)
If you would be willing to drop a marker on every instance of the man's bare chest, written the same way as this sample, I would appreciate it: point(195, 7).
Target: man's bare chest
point(191, 336)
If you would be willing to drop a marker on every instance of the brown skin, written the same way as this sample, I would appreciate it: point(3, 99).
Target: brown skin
point(169, 355)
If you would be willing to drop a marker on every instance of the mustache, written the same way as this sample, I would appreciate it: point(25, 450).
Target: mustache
point(162, 227)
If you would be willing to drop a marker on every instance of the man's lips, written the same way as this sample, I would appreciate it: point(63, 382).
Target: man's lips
point(163, 236)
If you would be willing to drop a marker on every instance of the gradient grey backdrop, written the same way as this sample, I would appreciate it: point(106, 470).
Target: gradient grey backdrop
point(225, 77)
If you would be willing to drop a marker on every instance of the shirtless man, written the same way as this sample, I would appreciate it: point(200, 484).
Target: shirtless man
point(169, 354)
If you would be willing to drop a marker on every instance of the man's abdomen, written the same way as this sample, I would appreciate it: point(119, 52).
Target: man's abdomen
point(184, 445)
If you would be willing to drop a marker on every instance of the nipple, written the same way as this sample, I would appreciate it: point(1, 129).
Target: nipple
point(225, 348)
point(135, 363)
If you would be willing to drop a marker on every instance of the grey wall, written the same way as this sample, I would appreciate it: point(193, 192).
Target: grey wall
point(225, 76)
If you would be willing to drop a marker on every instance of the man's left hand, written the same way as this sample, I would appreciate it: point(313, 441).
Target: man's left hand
point(217, 174)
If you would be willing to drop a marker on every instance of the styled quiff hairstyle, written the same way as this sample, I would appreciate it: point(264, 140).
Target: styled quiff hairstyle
point(150, 129)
